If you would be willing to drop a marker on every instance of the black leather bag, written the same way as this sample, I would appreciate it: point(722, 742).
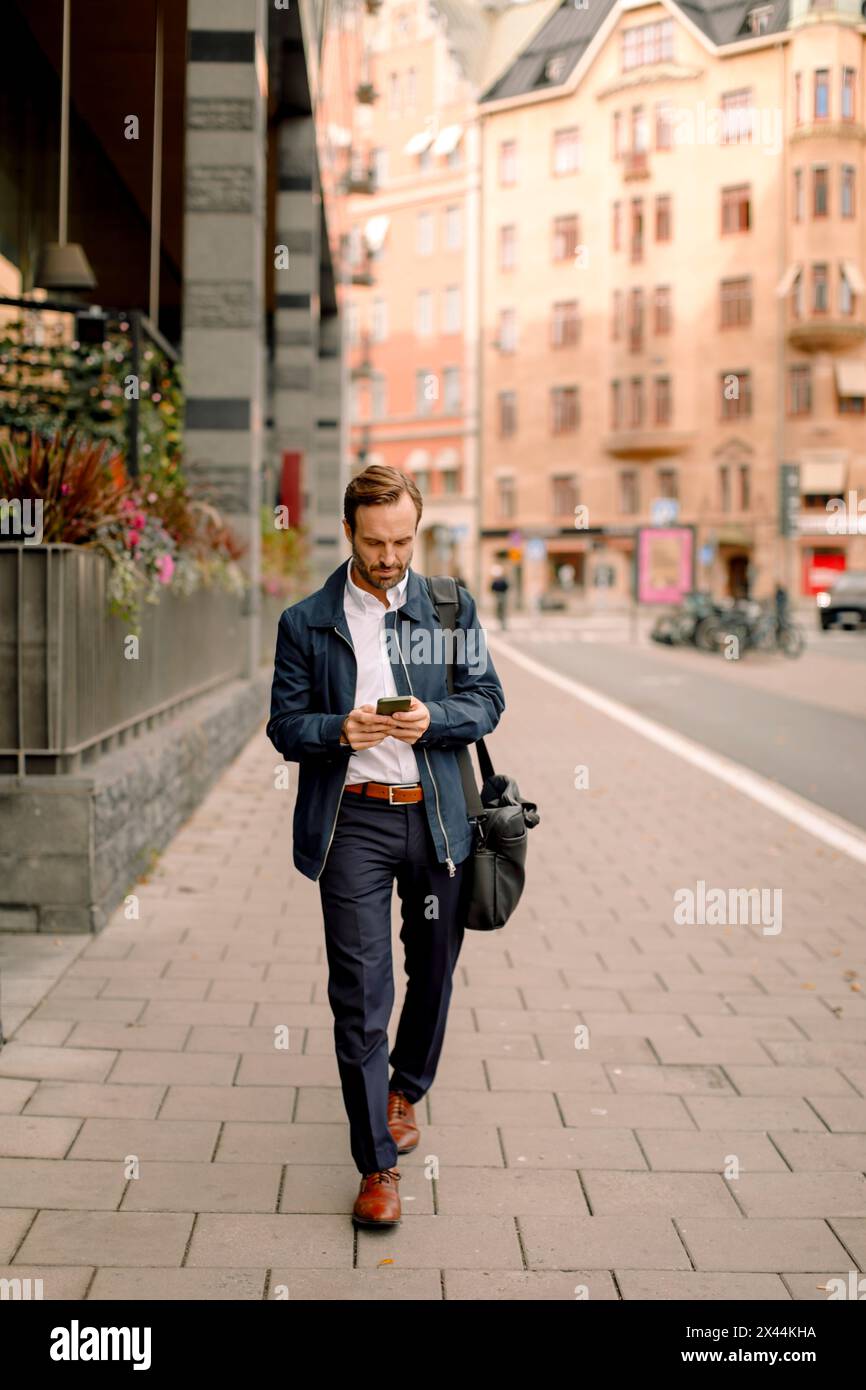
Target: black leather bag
point(495, 873)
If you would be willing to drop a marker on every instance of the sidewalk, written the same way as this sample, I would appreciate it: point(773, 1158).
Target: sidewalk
point(712, 1049)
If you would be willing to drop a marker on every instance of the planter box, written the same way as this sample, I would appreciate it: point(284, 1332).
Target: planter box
point(68, 691)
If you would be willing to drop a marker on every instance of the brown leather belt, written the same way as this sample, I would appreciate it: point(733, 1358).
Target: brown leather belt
point(394, 794)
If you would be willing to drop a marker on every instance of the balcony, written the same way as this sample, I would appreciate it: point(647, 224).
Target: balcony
point(635, 165)
point(652, 442)
point(826, 334)
point(360, 179)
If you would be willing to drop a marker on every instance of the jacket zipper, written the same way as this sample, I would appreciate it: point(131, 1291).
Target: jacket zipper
point(343, 788)
point(452, 869)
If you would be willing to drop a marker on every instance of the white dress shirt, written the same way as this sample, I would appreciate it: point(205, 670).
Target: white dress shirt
point(390, 760)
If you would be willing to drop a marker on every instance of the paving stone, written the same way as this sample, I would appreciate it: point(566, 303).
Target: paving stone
point(571, 1148)
point(88, 1099)
point(603, 1242)
point(332, 1188)
point(106, 1238)
point(707, 1151)
point(299, 1242)
point(456, 1242)
point(146, 1139)
point(505, 1285)
point(189, 1186)
point(758, 1243)
point(660, 1194)
point(60, 1063)
point(696, 1286)
point(14, 1222)
point(44, 1183)
point(31, 1136)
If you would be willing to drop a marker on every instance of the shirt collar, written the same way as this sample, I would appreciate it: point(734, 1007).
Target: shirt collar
point(362, 600)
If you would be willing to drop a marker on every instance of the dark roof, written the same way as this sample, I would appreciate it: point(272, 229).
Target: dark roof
point(568, 32)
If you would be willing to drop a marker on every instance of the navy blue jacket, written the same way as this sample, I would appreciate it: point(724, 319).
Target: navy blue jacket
point(314, 689)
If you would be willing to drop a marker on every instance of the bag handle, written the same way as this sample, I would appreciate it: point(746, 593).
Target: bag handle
point(445, 598)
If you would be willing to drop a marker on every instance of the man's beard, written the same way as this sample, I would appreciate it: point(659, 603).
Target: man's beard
point(378, 581)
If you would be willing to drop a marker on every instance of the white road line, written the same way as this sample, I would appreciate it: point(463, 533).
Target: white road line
point(833, 830)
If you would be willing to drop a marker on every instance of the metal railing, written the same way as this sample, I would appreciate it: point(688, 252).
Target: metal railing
point(70, 687)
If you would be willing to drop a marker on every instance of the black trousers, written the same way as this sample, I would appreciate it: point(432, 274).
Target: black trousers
point(375, 844)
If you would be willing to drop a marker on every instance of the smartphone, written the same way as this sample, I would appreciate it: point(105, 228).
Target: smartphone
point(389, 704)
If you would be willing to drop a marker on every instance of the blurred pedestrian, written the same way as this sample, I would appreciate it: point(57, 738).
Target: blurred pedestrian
point(782, 606)
point(499, 588)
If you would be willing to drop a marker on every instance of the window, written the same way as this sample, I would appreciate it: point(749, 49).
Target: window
point(663, 311)
point(507, 247)
point(800, 389)
point(380, 320)
point(616, 131)
point(735, 302)
point(822, 94)
point(425, 159)
point(847, 103)
point(797, 292)
point(355, 246)
point(453, 228)
point(846, 199)
point(735, 393)
point(745, 487)
point(820, 289)
point(393, 94)
point(663, 401)
point(759, 19)
point(508, 162)
point(352, 323)
point(565, 325)
point(846, 294)
point(724, 488)
point(506, 499)
point(565, 238)
point(799, 201)
point(637, 229)
point(616, 404)
point(507, 333)
point(668, 484)
point(737, 117)
point(450, 480)
point(424, 234)
point(736, 209)
point(616, 226)
point(639, 130)
point(424, 313)
point(564, 493)
point(507, 411)
point(454, 157)
point(664, 218)
point(380, 166)
point(635, 320)
point(617, 315)
point(664, 126)
point(648, 43)
point(629, 492)
point(355, 400)
point(425, 390)
point(565, 409)
point(820, 191)
point(453, 309)
point(566, 151)
point(451, 390)
point(411, 89)
point(635, 402)
point(798, 98)
point(379, 396)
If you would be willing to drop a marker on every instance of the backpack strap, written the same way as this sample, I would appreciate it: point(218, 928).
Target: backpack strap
point(445, 597)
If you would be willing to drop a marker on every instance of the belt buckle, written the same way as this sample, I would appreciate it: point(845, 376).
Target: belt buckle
point(391, 789)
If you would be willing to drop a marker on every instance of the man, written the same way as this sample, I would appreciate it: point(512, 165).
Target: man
point(380, 799)
point(499, 588)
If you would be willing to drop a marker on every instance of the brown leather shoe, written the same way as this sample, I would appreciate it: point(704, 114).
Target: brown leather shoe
point(378, 1201)
point(401, 1122)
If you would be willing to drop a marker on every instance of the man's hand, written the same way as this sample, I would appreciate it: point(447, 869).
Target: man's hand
point(364, 728)
point(408, 725)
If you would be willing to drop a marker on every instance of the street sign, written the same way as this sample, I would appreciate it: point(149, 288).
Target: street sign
point(789, 499)
point(664, 511)
point(706, 554)
point(535, 549)
point(515, 538)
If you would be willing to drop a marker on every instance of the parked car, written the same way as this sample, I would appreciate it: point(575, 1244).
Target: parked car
point(844, 605)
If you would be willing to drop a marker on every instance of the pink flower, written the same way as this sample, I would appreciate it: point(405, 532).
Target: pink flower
point(152, 497)
point(132, 539)
point(165, 568)
point(139, 520)
point(64, 488)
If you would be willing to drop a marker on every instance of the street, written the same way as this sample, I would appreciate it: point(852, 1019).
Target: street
point(801, 723)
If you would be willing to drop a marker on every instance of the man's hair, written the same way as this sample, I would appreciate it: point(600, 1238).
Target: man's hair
point(379, 484)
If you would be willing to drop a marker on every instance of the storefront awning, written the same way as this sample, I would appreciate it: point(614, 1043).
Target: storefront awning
point(823, 478)
point(851, 378)
point(418, 461)
point(448, 139)
point(854, 275)
point(786, 283)
point(375, 232)
point(448, 460)
point(417, 144)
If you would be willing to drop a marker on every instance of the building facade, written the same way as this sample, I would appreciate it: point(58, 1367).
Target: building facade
point(673, 298)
